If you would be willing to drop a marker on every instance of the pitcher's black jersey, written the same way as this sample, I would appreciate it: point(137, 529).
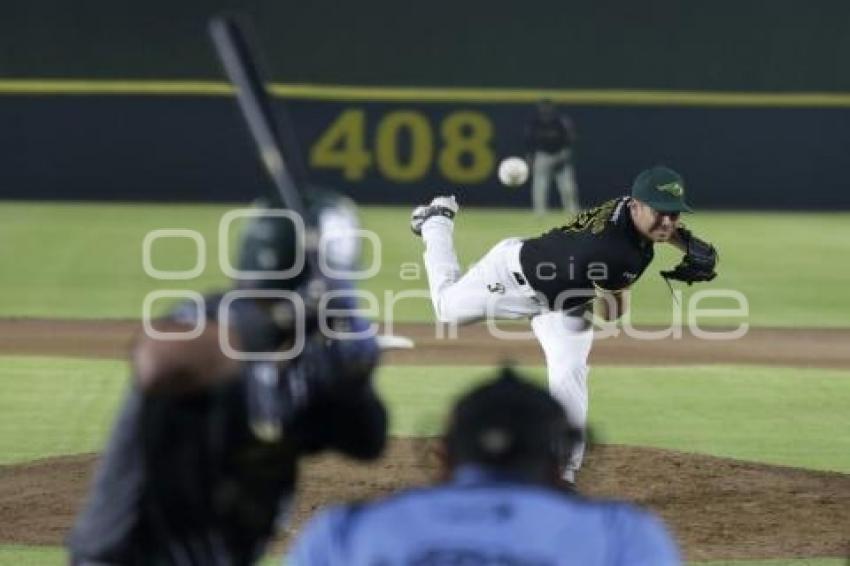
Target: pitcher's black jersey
point(600, 248)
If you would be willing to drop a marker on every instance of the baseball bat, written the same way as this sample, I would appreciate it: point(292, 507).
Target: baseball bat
point(240, 66)
point(278, 149)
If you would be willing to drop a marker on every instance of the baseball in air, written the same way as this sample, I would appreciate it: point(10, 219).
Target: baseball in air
point(513, 171)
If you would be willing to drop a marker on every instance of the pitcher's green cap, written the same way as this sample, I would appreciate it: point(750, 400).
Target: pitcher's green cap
point(661, 188)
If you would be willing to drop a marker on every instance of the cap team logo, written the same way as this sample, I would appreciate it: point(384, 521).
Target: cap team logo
point(675, 188)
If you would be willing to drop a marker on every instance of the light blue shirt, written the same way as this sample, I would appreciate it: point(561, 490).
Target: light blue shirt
point(478, 519)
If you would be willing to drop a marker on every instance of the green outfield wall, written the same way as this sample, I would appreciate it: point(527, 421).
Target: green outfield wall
point(125, 101)
point(749, 45)
point(155, 141)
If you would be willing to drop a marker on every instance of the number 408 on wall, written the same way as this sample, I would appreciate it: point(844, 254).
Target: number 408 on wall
point(460, 148)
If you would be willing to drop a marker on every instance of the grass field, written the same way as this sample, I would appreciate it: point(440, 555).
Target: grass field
point(85, 261)
point(35, 556)
point(16, 555)
point(778, 416)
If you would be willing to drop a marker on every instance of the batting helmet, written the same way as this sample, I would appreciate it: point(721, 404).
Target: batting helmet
point(272, 243)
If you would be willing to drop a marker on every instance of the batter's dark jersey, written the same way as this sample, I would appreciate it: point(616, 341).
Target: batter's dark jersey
point(184, 481)
point(600, 248)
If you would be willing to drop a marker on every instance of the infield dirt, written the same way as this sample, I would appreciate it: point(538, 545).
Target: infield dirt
point(824, 348)
point(718, 508)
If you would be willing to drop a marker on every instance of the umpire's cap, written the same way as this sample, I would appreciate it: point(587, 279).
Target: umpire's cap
point(510, 424)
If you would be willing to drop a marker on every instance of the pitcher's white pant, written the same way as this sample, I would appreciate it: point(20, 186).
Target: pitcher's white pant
point(557, 165)
point(491, 289)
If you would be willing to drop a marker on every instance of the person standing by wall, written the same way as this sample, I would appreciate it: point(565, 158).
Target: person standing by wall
point(550, 137)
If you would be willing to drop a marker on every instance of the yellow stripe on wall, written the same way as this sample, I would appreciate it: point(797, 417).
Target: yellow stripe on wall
point(60, 87)
point(87, 87)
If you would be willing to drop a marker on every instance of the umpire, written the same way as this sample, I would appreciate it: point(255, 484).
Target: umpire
point(202, 462)
point(505, 445)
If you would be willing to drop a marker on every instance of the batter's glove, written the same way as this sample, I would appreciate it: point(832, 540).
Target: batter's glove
point(697, 265)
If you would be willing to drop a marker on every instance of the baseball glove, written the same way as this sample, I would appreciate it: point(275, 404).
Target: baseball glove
point(697, 265)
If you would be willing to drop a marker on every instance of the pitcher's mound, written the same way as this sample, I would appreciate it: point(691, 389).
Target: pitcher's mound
point(718, 508)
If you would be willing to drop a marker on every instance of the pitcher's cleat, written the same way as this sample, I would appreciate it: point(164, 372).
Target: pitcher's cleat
point(445, 206)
